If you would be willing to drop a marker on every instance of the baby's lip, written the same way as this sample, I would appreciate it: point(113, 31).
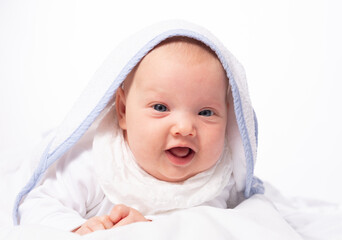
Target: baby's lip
point(180, 152)
point(181, 147)
point(180, 156)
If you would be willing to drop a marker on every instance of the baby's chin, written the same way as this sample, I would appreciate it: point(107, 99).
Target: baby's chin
point(173, 177)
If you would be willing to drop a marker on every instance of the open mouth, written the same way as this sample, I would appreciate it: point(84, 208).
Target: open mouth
point(181, 152)
point(180, 155)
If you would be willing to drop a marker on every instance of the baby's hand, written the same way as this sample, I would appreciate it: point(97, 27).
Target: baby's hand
point(94, 224)
point(119, 216)
point(122, 215)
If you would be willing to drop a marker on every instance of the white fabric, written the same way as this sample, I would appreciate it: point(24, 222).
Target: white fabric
point(123, 181)
point(66, 195)
point(255, 218)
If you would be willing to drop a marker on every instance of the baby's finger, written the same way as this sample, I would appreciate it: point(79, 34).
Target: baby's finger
point(119, 212)
point(106, 221)
point(83, 230)
point(133, 216)
point(95, 224)
point(129, 220)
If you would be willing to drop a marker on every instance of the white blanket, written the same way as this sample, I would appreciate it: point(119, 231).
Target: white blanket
point(255, 218)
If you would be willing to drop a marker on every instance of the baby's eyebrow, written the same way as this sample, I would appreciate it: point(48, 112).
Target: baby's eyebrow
point(154, 90)
point(154, 95)
point(215, 105)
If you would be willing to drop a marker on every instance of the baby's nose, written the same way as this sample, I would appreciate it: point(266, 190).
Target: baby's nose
point(184, 126)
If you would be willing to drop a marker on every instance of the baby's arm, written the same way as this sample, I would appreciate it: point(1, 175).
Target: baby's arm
point(119, 216)
point(67, 194)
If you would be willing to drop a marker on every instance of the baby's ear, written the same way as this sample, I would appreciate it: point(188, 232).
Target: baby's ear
point(120, 106)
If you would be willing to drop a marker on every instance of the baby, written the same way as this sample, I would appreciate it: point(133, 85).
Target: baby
point(168, 140)
point(173, 113)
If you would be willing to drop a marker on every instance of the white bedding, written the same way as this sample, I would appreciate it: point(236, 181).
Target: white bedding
point(255, 218)
point(256, 215)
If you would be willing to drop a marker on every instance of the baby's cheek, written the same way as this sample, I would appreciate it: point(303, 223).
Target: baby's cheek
point(216, 144)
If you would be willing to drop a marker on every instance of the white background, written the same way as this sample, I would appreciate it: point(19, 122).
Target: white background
point(291, 51)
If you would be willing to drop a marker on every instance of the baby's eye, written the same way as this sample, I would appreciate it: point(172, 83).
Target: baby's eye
point(206, 113)
point(160, 107)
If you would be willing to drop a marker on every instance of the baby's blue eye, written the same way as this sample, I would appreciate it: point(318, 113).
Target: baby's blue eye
point(206, 113)
point(160, 107)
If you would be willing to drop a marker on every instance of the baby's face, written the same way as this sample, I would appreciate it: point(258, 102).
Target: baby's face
point(175, 113)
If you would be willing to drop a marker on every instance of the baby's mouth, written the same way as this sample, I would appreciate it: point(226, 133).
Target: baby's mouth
point(180, 156)
point(180, 152)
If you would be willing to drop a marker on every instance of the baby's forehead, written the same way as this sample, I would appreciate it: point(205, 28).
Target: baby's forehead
point(187, 50)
